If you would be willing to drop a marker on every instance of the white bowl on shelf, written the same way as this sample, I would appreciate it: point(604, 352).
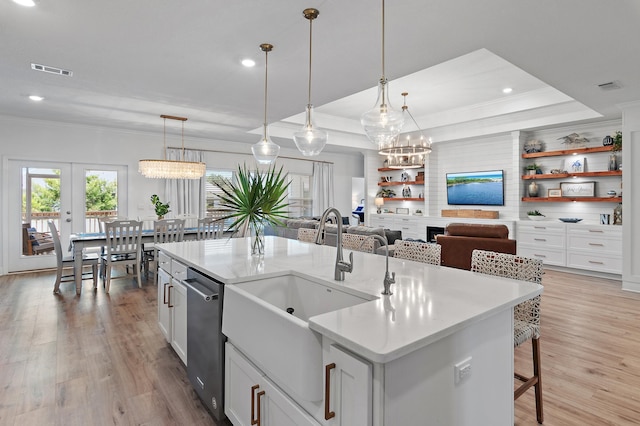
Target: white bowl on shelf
point(536, 217)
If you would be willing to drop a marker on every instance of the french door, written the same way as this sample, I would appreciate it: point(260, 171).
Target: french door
point(74, 196)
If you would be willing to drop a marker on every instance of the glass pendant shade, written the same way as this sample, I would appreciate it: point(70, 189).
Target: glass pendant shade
point(265, 151)
point(310, 140)
point(382, 123)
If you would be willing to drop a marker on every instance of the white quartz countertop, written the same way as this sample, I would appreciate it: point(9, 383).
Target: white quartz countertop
point(428, 302)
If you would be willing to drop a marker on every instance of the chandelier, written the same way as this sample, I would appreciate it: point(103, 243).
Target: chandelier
point(171, 169)
point(382, 123)
point(265, 151)
point(310, 140)
point(409, 154)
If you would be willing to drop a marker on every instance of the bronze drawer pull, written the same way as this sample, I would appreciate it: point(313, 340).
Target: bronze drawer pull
point(165, 294)
point(254, 421)
point(328, 414)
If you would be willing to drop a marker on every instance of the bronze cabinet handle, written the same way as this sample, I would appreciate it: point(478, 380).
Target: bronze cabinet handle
point(165, 293)
point(254, 421)
point(328, 414)
point(260, 394)
point(170, 305)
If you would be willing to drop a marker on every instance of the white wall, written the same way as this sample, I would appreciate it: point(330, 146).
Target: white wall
point(631, 204)
point(470, 155)
point(73, 143)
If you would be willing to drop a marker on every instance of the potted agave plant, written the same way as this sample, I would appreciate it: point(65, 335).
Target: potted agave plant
point(255, 199)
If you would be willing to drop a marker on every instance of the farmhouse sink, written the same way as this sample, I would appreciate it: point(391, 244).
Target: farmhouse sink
point(255, 319)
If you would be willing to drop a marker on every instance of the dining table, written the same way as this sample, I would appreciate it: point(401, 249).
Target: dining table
point(80, 241)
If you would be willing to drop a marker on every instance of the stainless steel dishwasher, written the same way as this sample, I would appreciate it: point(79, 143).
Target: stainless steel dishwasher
point(205, 341)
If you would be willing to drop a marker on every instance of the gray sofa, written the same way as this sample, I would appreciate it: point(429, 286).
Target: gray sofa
point(290, 230)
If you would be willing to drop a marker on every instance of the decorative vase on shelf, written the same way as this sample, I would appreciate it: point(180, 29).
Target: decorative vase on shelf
point(617, 215)
point(533, 189)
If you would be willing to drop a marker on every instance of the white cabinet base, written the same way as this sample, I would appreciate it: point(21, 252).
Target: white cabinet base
point(248, 391)
point(172, 304)
point(350, 388)
point(178, 294)
point(420, 388)
point(164, 313)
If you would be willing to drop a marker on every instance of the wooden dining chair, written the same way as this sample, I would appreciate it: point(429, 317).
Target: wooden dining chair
point(210, 228)
point(420, 252)
point(65, 262)
point(123, 239)
point(164, 231)
point(526, 315)
point(190, 220)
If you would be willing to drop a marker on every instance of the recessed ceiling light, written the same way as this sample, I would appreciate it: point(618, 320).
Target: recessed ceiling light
point(248, 63)
point(28, 3)
point(507, 90)
point(36, 98)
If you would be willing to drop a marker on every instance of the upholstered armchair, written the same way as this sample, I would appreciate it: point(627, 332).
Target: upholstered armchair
point(460, 239)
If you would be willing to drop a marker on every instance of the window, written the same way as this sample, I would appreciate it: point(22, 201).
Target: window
point(298, 197)
point(300, 201)
point(213, 192)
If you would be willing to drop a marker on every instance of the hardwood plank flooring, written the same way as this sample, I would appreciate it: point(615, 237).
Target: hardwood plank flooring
point(590, 346)
point(100, 359)
point(96, 359)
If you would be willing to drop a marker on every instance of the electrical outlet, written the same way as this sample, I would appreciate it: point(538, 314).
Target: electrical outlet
point(462, 370)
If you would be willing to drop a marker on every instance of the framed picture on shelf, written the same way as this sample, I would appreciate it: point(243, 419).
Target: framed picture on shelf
point(555, 192)
point(402, 210)
point(574, 164)
point(578, 189)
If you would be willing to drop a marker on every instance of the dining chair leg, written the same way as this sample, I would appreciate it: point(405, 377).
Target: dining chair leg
point(138, 272)
point(94, 269)
point(56, 286)
point(107, 278)
point(536, 373)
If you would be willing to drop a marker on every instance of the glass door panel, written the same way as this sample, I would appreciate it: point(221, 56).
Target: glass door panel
point(39, 194)
point(73, 196)
point(101, 197)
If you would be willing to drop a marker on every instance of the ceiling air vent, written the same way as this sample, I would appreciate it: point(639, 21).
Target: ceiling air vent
point(612, 85)
point(51, 70)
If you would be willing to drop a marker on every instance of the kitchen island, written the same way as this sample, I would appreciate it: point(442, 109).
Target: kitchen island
point(438, 351)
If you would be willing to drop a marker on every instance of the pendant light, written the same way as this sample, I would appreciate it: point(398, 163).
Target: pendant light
point(171, 169)
point(382, 123)
point(410, 154)
point(310, 140)
point(265, 151)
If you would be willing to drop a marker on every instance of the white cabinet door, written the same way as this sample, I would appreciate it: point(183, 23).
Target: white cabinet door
point(178, 298)
point(251, 397)
point(410, 228)
point(241, 386)
point(379, 221)
point(278, 409)
point(164, 313)
point(350, 384)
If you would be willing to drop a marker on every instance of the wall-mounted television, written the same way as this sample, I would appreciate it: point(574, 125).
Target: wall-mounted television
point(476, 188)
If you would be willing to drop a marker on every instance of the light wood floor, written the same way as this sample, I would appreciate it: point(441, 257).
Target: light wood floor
point(101, 360)
point(590, 346)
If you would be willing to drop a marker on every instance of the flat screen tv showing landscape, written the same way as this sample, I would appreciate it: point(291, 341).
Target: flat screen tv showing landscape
point(476, 188)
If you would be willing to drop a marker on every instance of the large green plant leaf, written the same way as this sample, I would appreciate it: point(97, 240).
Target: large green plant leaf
point(255, 197)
